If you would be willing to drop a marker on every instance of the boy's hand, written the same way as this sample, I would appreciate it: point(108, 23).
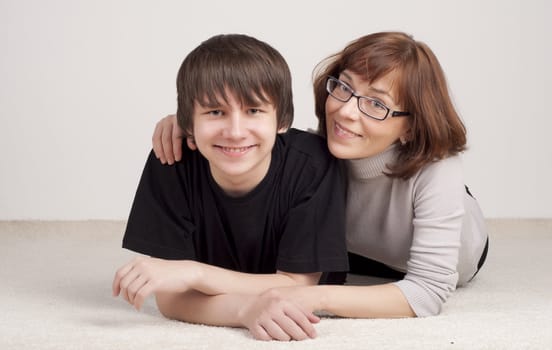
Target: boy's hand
point(272, 316)
point(144, 276)
point(167, 140)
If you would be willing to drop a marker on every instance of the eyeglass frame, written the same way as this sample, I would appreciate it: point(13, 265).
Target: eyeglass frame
point(353, 93)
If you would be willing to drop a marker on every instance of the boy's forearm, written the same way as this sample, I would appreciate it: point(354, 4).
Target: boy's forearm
point(196, 307)
point(219, 296)
point(213, 280)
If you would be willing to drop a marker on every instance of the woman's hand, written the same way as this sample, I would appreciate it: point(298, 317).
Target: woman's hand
point(143, 276)
point(276, 315)
point(167, 140)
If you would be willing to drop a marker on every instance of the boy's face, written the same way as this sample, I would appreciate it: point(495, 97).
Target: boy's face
point(237, 140)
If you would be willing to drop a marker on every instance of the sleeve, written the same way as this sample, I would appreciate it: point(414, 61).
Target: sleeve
point(431, 274)
point(313, 238)
point(159, 223)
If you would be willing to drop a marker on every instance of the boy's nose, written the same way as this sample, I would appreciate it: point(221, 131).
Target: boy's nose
point(236, 126)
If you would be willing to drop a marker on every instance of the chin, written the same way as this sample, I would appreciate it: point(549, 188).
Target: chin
point(339, 151)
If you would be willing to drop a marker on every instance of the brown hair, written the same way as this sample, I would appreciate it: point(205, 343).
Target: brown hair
point(251, 69)
point(436, 130)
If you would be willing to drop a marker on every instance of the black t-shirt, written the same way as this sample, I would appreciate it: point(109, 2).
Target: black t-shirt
point(293, 221)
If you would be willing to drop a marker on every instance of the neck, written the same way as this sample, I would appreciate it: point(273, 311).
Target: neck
point(374, 166)
point(237, 185)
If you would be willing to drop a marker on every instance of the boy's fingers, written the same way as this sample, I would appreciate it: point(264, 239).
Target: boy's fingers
point(125, 283)
point(259, 333)
point(312, 317)
point(119, 275)
point(297, 324)
point(135, 287)
point(275, 331)
point(142, 294)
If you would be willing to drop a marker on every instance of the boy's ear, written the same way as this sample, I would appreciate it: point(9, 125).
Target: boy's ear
point(191, 143)
point(283, 130)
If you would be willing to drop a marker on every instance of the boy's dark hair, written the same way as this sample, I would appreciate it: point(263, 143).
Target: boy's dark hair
point(249, 68)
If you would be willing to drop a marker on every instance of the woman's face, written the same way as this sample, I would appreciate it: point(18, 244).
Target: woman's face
point(350, 133)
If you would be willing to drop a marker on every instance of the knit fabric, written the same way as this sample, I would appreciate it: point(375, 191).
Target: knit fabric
point(426, 226)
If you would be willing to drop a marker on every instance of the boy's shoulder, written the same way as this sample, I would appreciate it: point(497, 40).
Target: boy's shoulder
point(305, 142)
point(296, 147)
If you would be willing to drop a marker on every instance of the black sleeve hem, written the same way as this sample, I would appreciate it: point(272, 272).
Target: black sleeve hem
point(147, 248)
point(301, 266)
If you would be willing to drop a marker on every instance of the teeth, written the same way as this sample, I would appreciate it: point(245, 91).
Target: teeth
point(234, 149)
point(344, 131)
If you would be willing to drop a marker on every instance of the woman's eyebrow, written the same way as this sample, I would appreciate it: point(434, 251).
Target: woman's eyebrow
point(382, 92)
point(372, 88)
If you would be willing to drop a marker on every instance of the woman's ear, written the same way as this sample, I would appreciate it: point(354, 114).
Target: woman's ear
point(406, 137)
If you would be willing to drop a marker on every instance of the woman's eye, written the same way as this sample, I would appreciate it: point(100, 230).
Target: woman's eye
point(344, 88)
point(377, 104)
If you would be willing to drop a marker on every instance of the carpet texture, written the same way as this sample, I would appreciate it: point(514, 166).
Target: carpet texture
point(55, 293)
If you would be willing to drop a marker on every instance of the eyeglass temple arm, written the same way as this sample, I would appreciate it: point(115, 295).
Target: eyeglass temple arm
point(399, 114)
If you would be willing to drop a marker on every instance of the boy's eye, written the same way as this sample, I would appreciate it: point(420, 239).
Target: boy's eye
point(215, 112)
point(254, 110)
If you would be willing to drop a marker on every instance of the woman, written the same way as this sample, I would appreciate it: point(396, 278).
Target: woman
point(384, 107)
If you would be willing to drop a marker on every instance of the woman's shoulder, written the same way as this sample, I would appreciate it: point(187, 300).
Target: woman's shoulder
point(449, 166)
point(443, 174)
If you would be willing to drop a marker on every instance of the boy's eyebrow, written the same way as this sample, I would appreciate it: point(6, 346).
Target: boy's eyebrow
point(220, 102)
point(208, 104)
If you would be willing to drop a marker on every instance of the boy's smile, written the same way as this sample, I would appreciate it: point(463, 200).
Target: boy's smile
point(235, 151)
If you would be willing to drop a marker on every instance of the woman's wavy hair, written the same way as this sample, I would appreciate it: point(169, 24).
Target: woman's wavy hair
point(436, 130)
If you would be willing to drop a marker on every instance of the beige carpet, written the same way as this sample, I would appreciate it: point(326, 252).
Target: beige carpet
point(55, 280)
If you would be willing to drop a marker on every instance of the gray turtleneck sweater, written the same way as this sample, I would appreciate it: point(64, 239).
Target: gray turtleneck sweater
point(426, 226)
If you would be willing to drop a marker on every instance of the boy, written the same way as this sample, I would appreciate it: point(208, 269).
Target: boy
point(257, 207)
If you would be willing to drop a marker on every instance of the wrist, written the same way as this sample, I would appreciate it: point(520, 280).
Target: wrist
point(242, 311)
point(193, 274)
point(321, 299)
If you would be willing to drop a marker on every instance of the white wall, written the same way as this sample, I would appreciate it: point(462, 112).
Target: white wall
point(83, 82)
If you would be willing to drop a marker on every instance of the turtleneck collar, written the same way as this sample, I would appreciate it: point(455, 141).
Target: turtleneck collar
point(367, 168)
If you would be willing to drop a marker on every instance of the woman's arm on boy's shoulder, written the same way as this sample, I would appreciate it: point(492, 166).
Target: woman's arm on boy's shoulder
point(167, 140)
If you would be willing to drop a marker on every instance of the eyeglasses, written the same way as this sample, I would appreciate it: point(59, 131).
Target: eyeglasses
point(369, 106)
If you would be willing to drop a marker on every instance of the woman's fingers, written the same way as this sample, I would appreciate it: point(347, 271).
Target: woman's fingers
point(157, 143)
point(166, 141)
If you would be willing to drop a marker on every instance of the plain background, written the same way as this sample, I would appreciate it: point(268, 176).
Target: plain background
point(82, 84)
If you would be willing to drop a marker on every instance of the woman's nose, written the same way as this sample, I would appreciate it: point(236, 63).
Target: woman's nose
point(350, 109)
